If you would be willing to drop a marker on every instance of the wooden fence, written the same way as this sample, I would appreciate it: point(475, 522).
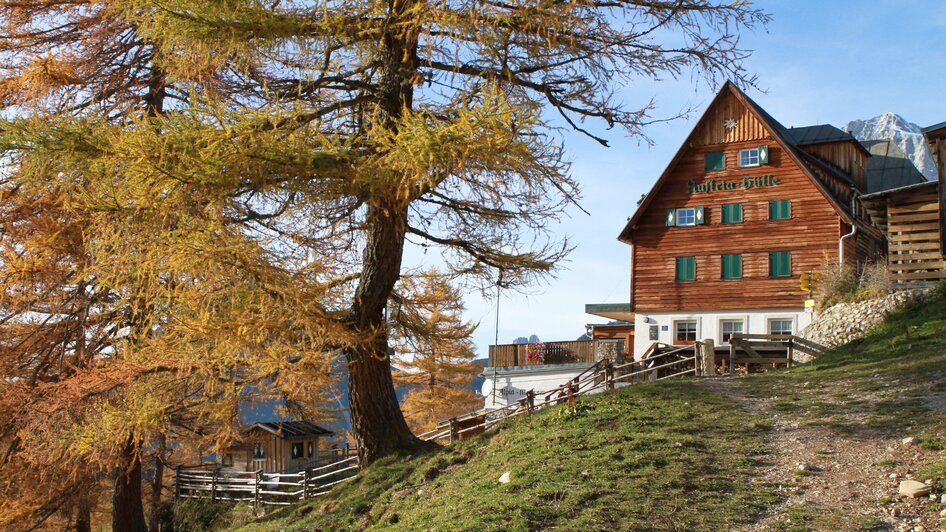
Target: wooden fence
point(278, 489)
point(659, 362)
point(768, 349)
point(541, 354)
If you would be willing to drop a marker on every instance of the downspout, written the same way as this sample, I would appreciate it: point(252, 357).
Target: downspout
point(853, 229)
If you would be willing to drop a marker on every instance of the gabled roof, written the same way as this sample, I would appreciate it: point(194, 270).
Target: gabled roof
point(779, 133)
point(291, 429)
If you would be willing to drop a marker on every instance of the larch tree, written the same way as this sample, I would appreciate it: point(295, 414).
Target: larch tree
point(435, 123)
point(336, 132)
point(134, 309)
point(433, 348)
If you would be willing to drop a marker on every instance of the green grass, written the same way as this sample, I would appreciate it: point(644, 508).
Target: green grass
point(879, 385)
point(662, 455)
point(667, 455)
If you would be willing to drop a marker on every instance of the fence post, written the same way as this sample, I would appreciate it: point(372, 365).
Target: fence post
point(732, 352)
point(791, 349)
point(454, 430)
point(213, 486)
point(177, 482)
point(256, 495)
point(305, 483)
point(530, 399)
point(709, 358)
point(609, 375)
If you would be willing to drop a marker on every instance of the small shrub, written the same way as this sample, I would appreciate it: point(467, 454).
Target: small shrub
point(196, 515)
point(833, 283)
point(875, 279)
point(841, 284)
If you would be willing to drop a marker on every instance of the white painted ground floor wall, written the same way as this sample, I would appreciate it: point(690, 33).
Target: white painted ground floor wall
point(709, 324)
point(506, 385)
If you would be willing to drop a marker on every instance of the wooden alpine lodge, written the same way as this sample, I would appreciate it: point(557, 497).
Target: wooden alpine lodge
point(742, 210)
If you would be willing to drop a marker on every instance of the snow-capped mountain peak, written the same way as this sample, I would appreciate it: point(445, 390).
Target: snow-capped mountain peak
point(906, 135)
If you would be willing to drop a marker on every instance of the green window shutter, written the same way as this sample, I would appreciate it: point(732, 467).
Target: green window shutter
point(732, 213)
point(715, 160)
point(763, 155)
point(732, 266)
point(671, 217)
point(780, 210)
point(686, 269)
point(699, 215)
point(780, 264)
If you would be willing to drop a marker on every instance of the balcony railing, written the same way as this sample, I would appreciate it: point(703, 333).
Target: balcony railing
point(542, 354)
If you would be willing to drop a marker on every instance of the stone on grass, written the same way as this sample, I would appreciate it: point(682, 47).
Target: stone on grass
point(504, 478)
point(908, 441)
point(912, 488)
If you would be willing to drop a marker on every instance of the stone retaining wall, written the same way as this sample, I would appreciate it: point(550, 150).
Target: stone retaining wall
point(846, 322)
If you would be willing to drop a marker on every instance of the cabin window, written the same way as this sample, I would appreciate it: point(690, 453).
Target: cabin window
point(684, 331)
point(689, 216)
point(714, 160)
point(780, 209)
point(729, 327)
point(259, 452)
point(732, 266)
point(753, 157)
point(310, 449)
point(732, 213)
point(780, 264)
point(780, 326)
point(686, 269)
point(297, 451)
point(227, 460)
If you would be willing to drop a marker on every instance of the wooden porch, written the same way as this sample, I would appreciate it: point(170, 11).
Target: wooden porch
point(541, 354)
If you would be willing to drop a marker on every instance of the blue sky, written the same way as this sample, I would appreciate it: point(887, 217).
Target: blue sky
point(817, 62)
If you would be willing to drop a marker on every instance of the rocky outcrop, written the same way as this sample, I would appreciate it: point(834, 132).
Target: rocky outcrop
point(846, 322)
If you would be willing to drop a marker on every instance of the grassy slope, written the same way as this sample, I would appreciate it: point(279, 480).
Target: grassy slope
point(663, 455)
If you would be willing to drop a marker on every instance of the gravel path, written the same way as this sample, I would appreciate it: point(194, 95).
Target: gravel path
point(831, 479)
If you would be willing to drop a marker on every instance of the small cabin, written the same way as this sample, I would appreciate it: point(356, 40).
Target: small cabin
point(279, 447)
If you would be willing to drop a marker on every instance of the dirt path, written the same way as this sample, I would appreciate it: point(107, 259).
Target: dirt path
point(840, 480)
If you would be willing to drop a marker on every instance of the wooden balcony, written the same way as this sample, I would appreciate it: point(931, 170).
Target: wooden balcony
point(548, 353)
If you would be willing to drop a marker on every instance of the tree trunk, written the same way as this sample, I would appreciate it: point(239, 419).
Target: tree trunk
point(377, 422)
point(83, 515)
point(157, 484)
point(127, 512)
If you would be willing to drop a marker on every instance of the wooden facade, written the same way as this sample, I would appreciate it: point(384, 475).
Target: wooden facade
point(279, 447)
point(823, 207)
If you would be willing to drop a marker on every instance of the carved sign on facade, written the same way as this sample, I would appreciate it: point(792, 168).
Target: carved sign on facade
point(745, 183)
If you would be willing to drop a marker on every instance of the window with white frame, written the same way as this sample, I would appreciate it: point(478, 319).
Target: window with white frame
point(781, 326)
point(749, 157)
point(729, 327)
point(684, 331)
point(686, 217)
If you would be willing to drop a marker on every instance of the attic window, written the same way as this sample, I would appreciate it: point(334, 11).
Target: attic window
point(685, 217)
point(753, 157)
